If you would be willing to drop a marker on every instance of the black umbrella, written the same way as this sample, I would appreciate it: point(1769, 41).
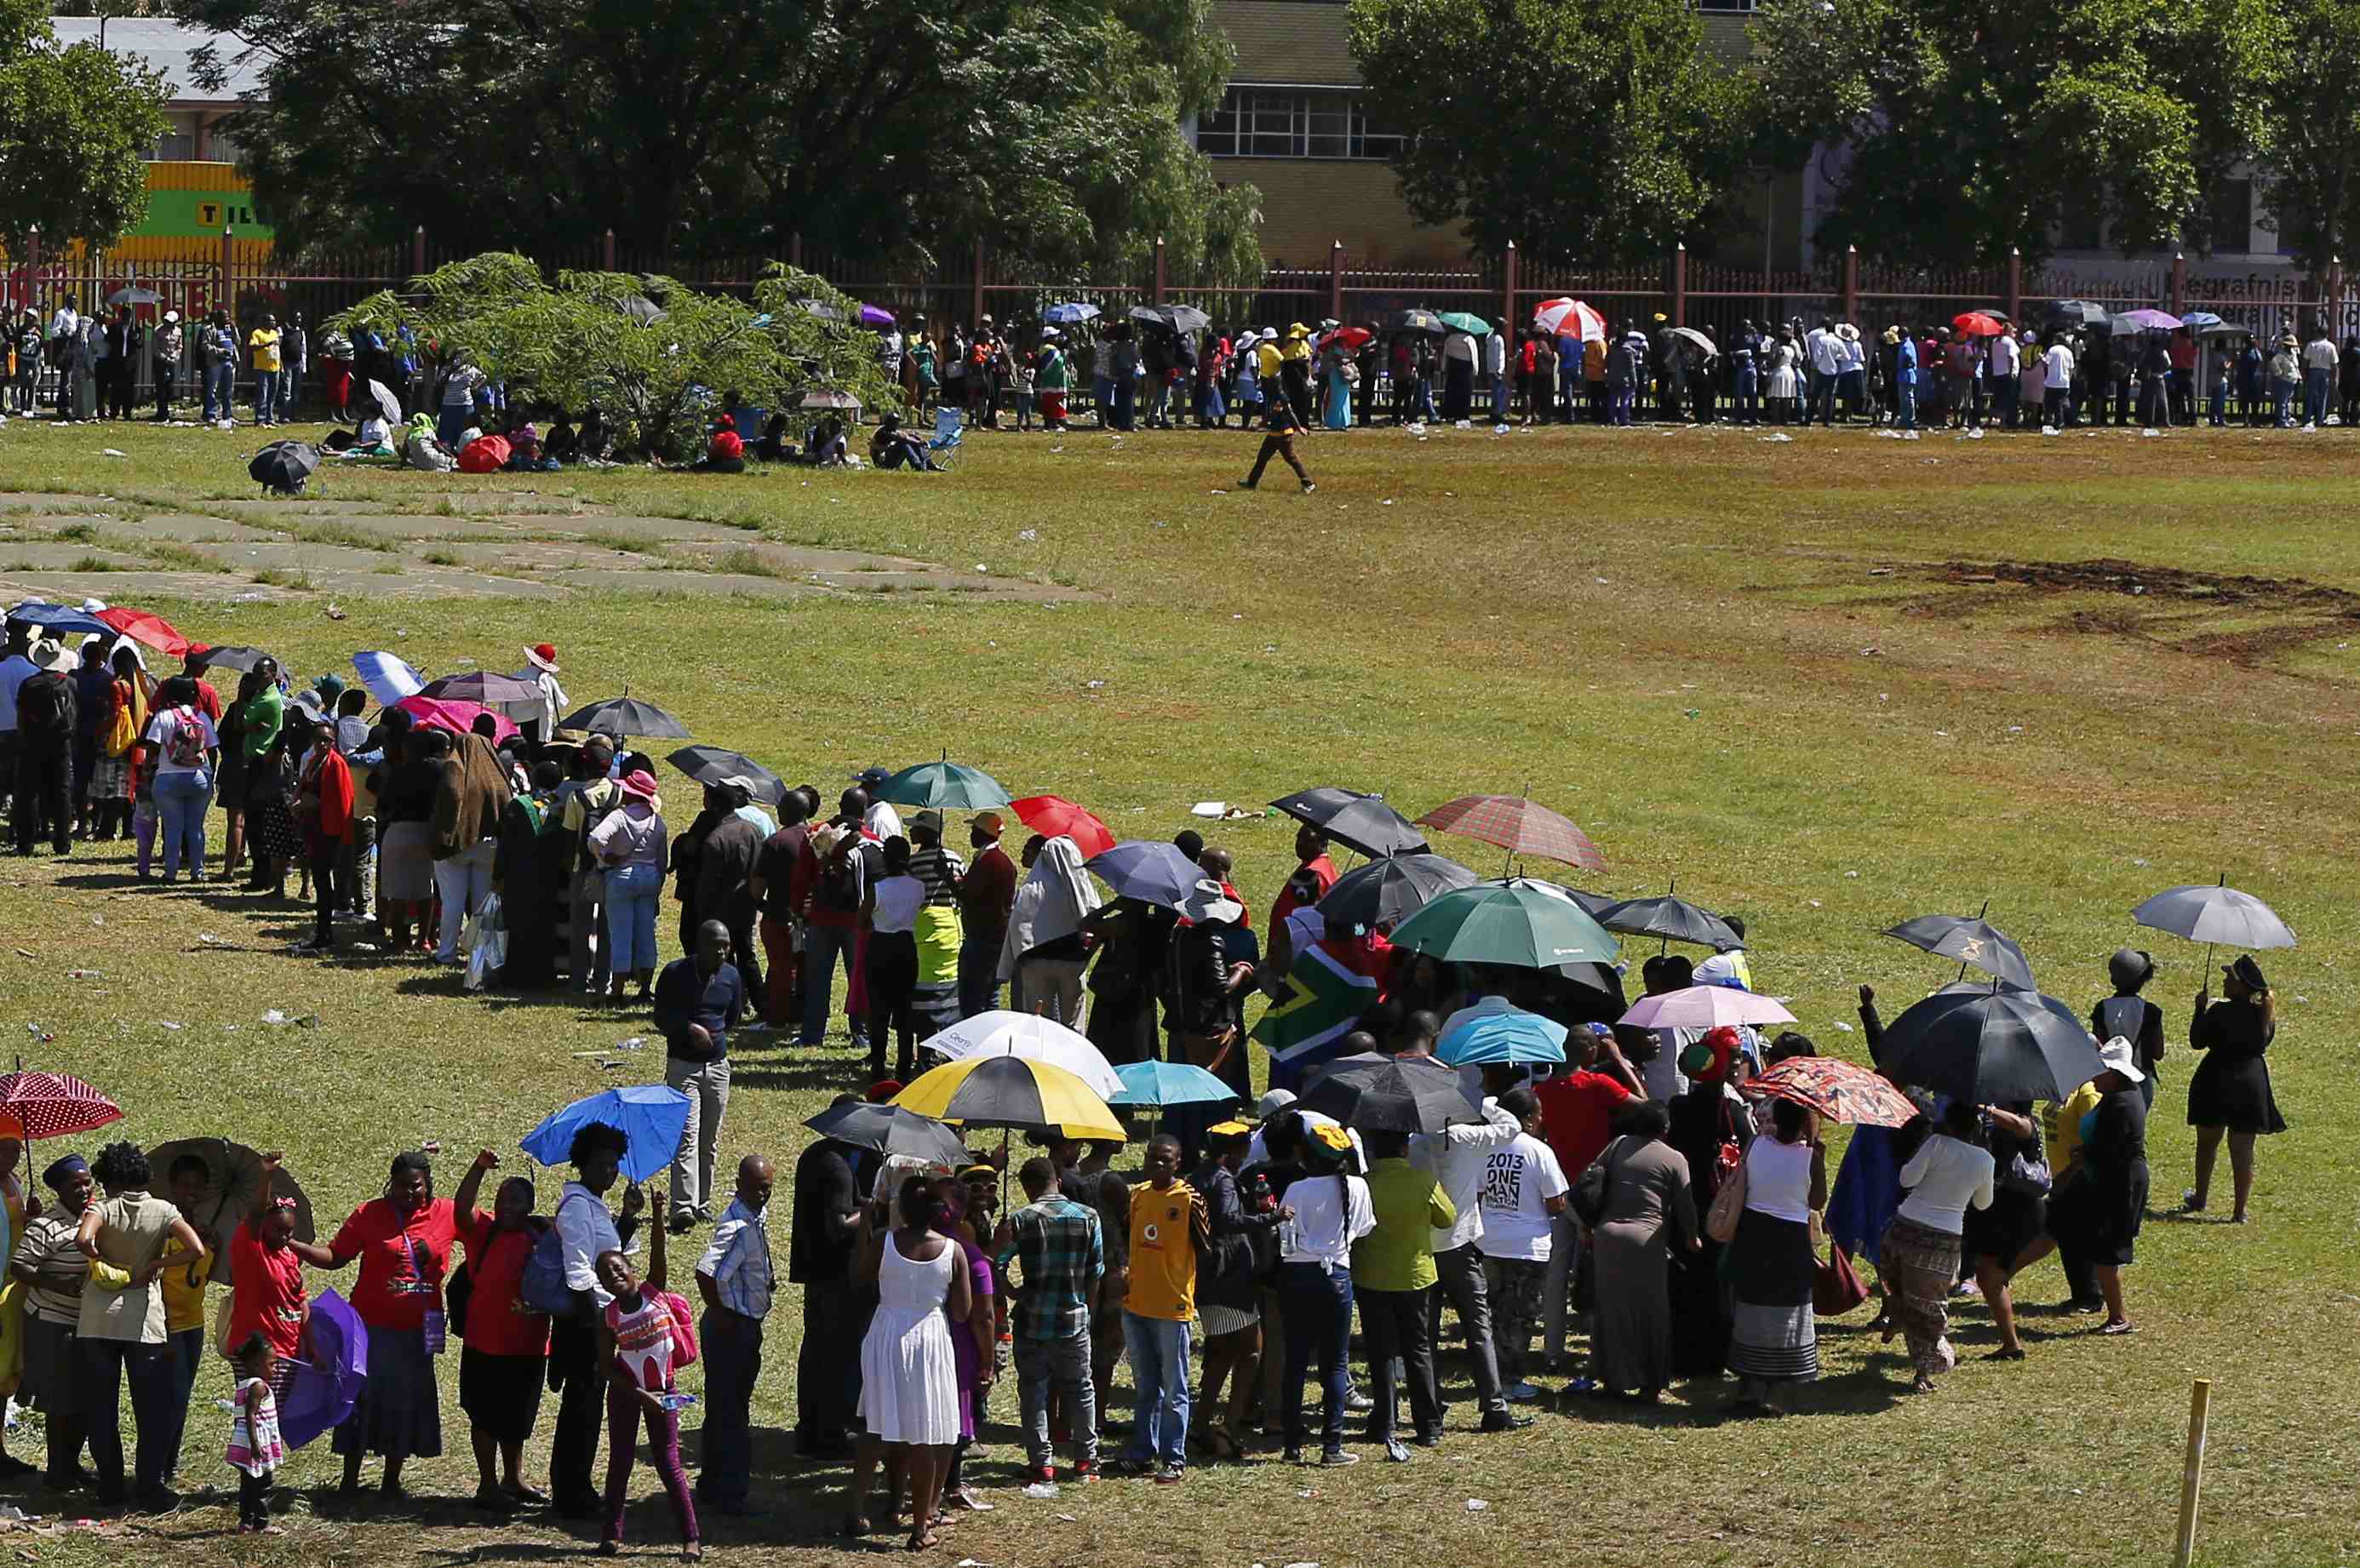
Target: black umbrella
point(1991, 1046)
point(711, 765)
point(625, 716)
point(1393, 887)
point(283, 466)
point(1674, 920)
point(1354, 819)
point(889, 1130)
point(1419, 322)
point(2078, 313)
point(236, 656)
point(1177, 318)
point(1389, 1094)
point(1974, 941)
point(484, 687)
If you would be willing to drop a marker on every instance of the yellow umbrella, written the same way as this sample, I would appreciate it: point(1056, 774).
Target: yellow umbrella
point(1010, 1092)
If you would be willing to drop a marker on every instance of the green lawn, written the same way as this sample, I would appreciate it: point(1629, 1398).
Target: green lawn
point(1814, 680)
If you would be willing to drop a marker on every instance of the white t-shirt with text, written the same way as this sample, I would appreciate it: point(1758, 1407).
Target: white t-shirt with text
point(1518, 1182)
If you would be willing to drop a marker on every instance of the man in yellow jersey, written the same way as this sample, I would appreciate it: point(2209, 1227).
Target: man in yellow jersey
point(1169, 1231)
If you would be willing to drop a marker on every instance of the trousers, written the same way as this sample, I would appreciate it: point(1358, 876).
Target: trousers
point(733, 1360)
point(1462, 1284)
point(1063, 1367)
point(707, 1084)
point(463, 881)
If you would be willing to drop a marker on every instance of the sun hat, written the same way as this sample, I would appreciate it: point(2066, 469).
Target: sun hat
point(929, 819)
point(2118, 1056)
point(2129, 966)
point(1298, 330)
point(2248, 973)
point(48, 653)
point(1209, 903)
point(170, 317)
point(640, 784)
point(543, 656)
point(1230, 1129)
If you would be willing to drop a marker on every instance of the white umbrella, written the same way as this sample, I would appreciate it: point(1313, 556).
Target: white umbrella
point(1705, 1006)
point(2218, 914)
point(1565, 317)
point(135, 295)
point(387, 405)
point(1036, 1039)
point(388, 677)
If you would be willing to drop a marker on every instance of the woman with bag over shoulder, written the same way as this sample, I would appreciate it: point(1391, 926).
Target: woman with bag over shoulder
point(1649, 1217)
point(403, 1242)
point(1998, 1238)
point(1772, 1267)
point(2230, 1093)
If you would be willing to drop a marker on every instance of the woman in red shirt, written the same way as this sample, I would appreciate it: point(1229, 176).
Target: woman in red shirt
point(506, 1362)
point(403, 1242)
point(324, 809)
point(265, 1272)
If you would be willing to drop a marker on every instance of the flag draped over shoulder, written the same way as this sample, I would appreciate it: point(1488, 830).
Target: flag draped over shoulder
point(1327, 989)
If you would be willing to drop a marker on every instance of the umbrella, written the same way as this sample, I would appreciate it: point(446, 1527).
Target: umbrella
point(482, 687)
point(1978, 324)
point(889, 1130)
point(826, 397)
point(1177, 318)
point(1590, 904)
point(147, 626)
point(1704, 1007)
point(2219, 915)
point(1419, 322)
point(59, 618)
point(876, 316)
point(1568, 316)
point(1391, 1095)
point(1991, 1046)
point(2197, 320)
point(1515, 923)
point(232, 1185)
point(2148, 320)
point(458, 717)
point(1392, 888)
point(320, 1393)
point(1071, 315)
point(1033, 1038)
point(2076, 313)
point(1696, 337)
point(1460, 321)
point(55, 1105)
point(1347, 338)
point(284, 466)
point(233, 655)
point(1674, 920)
point(1054, 816)
point(627, 717)
point(1011, 1091)
point(1147, 869)
point(1516, 825)
point(1170, 1083)
point(945, 785)
point(711, 765)
point(647, 313)
point(1505, 1038)
point(388, 677)
point(1974, 941)
point(135, 295)
point(652, 1118)
point(1840, 1091)
point(1354, 819)
point(388, 407)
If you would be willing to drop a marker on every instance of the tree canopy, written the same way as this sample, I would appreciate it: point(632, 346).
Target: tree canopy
point(75, 127)
point(2311, 171)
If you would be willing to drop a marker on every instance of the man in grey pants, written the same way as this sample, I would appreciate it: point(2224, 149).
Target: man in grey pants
point(1061, 1255)
point(1454, 1157)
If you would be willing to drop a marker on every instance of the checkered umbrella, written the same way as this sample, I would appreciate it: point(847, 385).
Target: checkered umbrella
point(1516, 825)
point(55, 1105)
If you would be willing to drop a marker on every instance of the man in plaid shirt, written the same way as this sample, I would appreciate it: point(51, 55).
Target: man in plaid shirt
point(1060, 1255)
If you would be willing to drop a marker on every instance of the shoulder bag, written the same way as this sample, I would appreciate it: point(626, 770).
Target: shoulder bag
point(1728, 1206)
point(1595, 1187)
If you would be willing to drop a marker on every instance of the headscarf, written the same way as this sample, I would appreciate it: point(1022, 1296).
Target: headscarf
point(1051, 904)
point(1707, 1062)
point(61, 1170)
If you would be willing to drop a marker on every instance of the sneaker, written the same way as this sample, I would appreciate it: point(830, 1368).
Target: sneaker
point(1359, 1402)
point(1044, 1475)
point(1337, 1458)
point(1170, 1476)
point(1308, 487)
point(1246, 485)
point(1085, 1471)
point(1521, 1393)
point(1292, 1455)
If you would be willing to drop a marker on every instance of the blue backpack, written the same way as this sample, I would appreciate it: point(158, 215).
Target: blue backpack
point(543, 1285)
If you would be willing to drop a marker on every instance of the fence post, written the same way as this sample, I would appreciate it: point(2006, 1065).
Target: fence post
point(417, 252)
point(1680, 284)
point(2334, 301)
point(1852, 284)
point(2179, 281)
point(33, 267)
point(2192, 1471)
point(1162, 274)
point(1508, 289)
point(2015, 284)
point(226, 296)
point(1336, 279)
point(975, 297)
point(607, 252)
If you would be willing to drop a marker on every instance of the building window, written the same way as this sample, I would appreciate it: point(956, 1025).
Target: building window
point(179, 143)
point(1259, 122)
point(2229, 213)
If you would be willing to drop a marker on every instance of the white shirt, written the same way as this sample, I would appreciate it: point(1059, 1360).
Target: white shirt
point(2004, 358)
point(552, 699)
point(1824, 346)
point(1329, 1216)
point(585, 1231)
point(1518, 1182)
point(14, 671)
point(1663, 1076)
point(2319, 352)
point(897, 901)
point(2060, 365)
point(1779, 1179)
point(884, 822)
point(1495, 353)
point(1850, 356)
point(1454, 1158)
point(1944, 1176)
point(165, 726)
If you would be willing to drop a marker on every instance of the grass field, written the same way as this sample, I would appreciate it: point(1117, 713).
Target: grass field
point(1829, 684)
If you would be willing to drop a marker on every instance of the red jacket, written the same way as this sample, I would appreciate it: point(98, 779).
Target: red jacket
point(333, 783)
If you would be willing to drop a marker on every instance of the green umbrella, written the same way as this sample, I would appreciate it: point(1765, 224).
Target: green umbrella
point(1518, 922)
point(945, 785)
point(1460, 321)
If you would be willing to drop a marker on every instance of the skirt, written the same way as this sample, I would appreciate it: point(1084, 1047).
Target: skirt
point(270, 829)
point(399, 1410)
point(47, 1384)
point(1918, 1265)
point(1631, 1348)
point(2233, 1093)
point(1217, 1320)
point(501, 1394)
point(2013, 1223)
point(110, 777)
point(935, 999)
point(405, 864)
point(909, 1378)
point(2111, 1208)
point(1774, 1335)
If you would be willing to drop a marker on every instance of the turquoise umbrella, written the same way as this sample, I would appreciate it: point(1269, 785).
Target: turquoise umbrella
point(1460, 321)
point(946, 786)
point(1518, 922)
point(1511, 1038)
point(1172, 1084)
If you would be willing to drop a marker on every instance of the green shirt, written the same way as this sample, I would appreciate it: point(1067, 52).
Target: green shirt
point(1052, 371)
point(263, 714)
point(1399, 1254)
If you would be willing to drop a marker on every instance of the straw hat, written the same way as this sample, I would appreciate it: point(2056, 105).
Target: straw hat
point(640, 784)
point(543, 656)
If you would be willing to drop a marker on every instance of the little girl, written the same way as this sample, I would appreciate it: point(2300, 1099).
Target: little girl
point(636, 1342)
point(255, 1449)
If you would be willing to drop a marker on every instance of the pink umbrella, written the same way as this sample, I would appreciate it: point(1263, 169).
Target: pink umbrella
point(458, 717)
point(1569, 317)
point(1705, 1006)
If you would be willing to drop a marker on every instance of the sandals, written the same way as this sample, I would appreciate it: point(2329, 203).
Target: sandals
point(2006, 1353)
point(925, 1540)
point(2125, 1326)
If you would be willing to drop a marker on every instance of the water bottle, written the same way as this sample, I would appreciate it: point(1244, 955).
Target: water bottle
point(676, 1401)
point(1287, 1233)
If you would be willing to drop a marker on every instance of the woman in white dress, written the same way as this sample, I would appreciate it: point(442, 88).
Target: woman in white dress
point(1784, 388)
point(908, 1373)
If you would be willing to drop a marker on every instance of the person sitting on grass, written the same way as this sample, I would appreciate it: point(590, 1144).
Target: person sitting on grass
point(724, 453)
point(892, 446)
point(823, 444)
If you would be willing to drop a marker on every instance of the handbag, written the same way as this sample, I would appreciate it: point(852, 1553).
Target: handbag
point(457, 1293)
point(2026, 1174)
point(1595, 1186)
point(1728, 1206)
point(1836, 1285)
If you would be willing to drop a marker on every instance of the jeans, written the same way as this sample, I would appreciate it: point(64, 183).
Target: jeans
point(707, 1084)
point(1158, 1352)
point(632, 892)
point(464, 880)
point(1393, 1323)
point(187, 1348)
point(1062, 1365)
point(453, 423)
point(45, 794)
point(2317, 381)
point(2282, 397)
point(623, 1414)
point(823, 945)
point(733, 1360)
point(182, 798)
point(586, 919)
point(893, 1001)
point(1318, 1306)
point(1499, 399)
point(101, 1367)
point(2060, 409)
point(979, 976)
point(827, 1370)
point(221, 386)
point(2006, 393)
point(265, 396)
point(1461, 1283)
point(1904, 407)
point(1619, 399)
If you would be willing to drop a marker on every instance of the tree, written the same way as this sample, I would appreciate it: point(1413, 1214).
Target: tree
point(652, 352)
point(2310, 183)
point(75, 127)
point(1595, 130)
point(868, 127)
point(1974, 126)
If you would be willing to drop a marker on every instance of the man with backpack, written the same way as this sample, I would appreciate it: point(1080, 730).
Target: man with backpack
point(843, 858)
point(45, 734)
point(590, 799)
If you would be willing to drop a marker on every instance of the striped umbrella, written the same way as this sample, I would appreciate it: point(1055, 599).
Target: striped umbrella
point(55, 1105)
point(1516, 825)
point(1010, 1092)
point(1569, 317)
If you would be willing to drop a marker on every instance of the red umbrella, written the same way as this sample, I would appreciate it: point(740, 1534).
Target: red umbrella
point(1840, 1091)
point(1345, 338)
point(1978, 324)
point(1516, 825)
point(1052, 816)
point(458, 717)
point(55, 1105)
point(146, 625)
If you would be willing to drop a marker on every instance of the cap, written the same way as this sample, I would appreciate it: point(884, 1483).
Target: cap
point(1230, 1129)
point(989, 822)
point(928, 819)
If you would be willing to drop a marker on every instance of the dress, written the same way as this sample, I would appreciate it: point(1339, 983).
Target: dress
point(256, 1447)
point(909, 1371)
point(1701, 1121)
point(2231, 1087)
point(1648, 1213)
point(2016, 1216)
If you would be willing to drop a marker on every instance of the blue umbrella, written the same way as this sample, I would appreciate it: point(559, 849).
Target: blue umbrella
point(650, 1116)
point(1069, 315)
point(59, 618)
point(1511, 1038)
point(1170, 1083)
point(1150, 870)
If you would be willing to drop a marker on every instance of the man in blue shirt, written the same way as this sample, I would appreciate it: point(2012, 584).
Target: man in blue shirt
point(736, 1278)
point(1905, 383)
point(698, 1000)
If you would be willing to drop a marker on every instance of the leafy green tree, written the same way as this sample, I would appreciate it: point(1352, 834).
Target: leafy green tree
point(1973, 125)
point(75, 127)
point(1596, 130)
point(2310, 183)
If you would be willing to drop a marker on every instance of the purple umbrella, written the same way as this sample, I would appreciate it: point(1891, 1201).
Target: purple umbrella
point(321, 1392)
point(874, 316)
point(2151, 320)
